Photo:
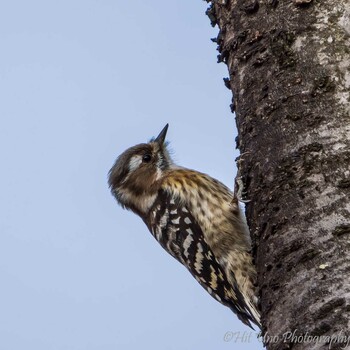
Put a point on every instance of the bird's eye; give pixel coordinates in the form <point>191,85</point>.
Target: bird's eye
<point>146,158</point>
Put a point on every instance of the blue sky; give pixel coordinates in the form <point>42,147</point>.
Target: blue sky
<point>80,81</point>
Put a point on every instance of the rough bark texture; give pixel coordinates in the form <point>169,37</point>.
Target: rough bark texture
<point>289,68</point>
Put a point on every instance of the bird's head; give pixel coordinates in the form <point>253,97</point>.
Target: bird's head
<point>137,170</point>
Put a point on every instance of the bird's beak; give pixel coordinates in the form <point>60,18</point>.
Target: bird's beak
<point>161,137</point>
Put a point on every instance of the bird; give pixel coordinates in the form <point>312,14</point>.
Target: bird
<point>195,218</point>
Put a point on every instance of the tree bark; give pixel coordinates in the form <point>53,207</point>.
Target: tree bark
<point>289,71</point>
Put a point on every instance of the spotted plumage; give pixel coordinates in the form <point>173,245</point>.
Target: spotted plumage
<point>195,218</point>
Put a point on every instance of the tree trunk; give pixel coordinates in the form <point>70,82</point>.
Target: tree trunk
<point>289,67</point>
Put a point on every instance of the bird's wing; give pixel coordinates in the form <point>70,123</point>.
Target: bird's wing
<point>176,230</point>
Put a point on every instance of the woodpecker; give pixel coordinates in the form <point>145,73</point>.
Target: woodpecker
<point>195,218</point>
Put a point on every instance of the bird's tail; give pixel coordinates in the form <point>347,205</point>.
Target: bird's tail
<point>252,302</point>
<point>246,310</point>
<point>243,284</point>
